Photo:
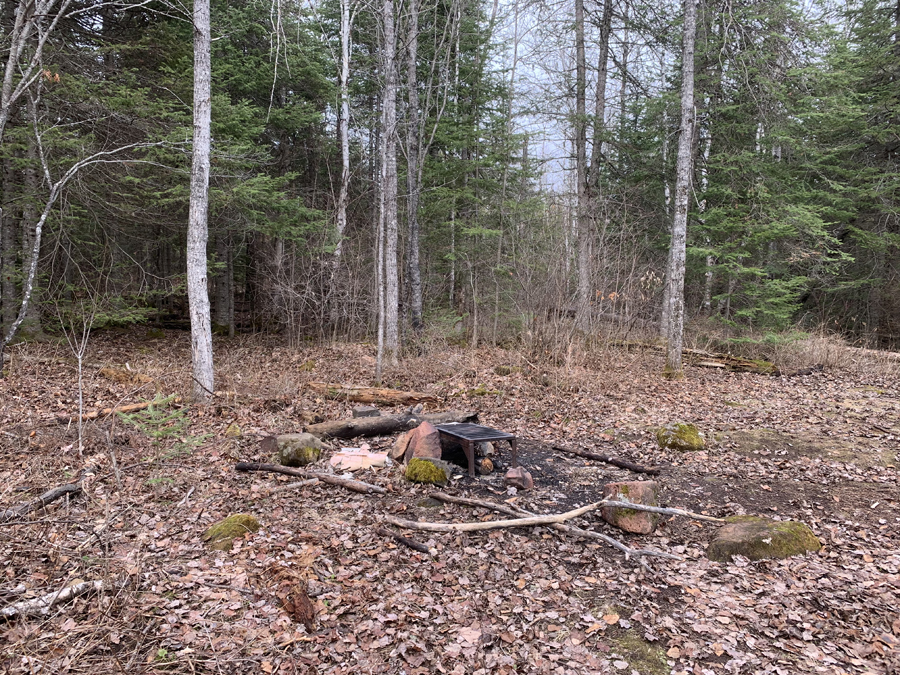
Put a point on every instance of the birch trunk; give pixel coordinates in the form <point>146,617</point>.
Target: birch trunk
<point>413,143</point>
<point>344,132</point>
<point>389,186</point>
<point>198,233</point>
<point>678,248</point>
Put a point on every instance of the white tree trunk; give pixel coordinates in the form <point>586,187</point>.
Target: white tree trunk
<point>389,186</point>
<point>344,132</point>
<point>198,233</point>
<point>413,174</point>
<point>683,168</point>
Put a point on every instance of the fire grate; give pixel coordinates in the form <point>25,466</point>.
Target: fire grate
<point>470,434</point>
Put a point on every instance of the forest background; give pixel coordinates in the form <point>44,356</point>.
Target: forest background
<point>457,169</point>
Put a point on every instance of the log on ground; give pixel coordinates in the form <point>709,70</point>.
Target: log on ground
<point>370,394</point>
<point>385,425</point>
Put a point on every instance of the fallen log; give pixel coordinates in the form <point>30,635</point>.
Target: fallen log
<point>621,463</point>
<point>406,541</point>
<point>348,483</point>
<point>370,394</point>
<point>704,359</point>
<point>385,425</point>
<point>43,604</point>
<point>134,407</point>
<point>560,527</point>
<point>40,502</point>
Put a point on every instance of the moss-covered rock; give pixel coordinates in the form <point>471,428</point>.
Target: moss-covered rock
<point>298,449</point>
<point>680,436</point>
<point>759,538</point>
<point>220,536</point>
<point>427,470</point>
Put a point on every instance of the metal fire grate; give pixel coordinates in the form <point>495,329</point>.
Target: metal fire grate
<point>474,432</point>
<point>470,434</point>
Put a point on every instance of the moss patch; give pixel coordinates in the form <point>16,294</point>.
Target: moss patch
<point>422,470</point>
<point>760,538</point>
<point>681,436</point>
<point>221,535</point>
<point>503,371</point>
<point>298,449</point>
<point>642,656</point>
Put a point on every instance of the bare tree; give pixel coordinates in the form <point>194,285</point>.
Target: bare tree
<point>413,141</point>
<point>581,216</point>
<point>674,299</point>
<point>343,132</point>
<point>198,231</point>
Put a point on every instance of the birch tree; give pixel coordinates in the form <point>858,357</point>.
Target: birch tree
<point>388,332</point>
<point>198,232</point>
<point>674,299</point>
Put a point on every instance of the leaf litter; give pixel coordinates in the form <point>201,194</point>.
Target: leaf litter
<point>316,590</point>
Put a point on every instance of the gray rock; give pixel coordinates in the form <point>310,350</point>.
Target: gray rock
<point>366,411</point>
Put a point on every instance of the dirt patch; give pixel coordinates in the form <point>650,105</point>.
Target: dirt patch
<point>864,452</point>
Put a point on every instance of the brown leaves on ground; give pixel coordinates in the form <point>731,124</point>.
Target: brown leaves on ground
<point>316,590</point>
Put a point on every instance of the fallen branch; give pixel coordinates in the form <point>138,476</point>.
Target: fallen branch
<point>370,394</point>
<point>621,463</point>
<point>705,359</point>
<point>40,502</point>
<point>409,543</point>
<point>494,524</point>
<point>549,519</point>
<point>348,483</point>
<point>560,527</point>
<point>43,604</point>
<point>134,407</point>
<point>385,425</point>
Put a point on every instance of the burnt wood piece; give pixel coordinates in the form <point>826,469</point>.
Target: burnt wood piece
<point>621,463</point>
<point>470,434</point>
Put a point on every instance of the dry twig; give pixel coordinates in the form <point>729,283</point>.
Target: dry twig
<point>349,483</point>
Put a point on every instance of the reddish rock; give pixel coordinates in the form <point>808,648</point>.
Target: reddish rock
<point>424,441</point>
<point>519,478</point>
<point>399,450</point>
<point>637,492</point>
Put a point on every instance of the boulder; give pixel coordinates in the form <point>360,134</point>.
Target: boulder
<point>760,538</point>
<point>424,441</point>
<point>298,449</point>
<point>680,436</point>
<point>428,470</point>
<point>518,478</point>
<point>221,535</point>
<point>638,492</point>
<point>398,452</point>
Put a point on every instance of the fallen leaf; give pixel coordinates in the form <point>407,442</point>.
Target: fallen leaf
<point>673,653</point>
<point>611,619</point>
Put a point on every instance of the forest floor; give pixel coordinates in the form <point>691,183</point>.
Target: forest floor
<point>821,448</point>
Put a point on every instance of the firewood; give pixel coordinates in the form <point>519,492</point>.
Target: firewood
<point>386,424</point>
<point>43,604</point>
<point>370,394</point>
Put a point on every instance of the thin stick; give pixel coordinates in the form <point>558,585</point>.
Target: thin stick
<point>410,543</point>
<point>621,463</point>
<point>355,485</point>
<point>298,484</point>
